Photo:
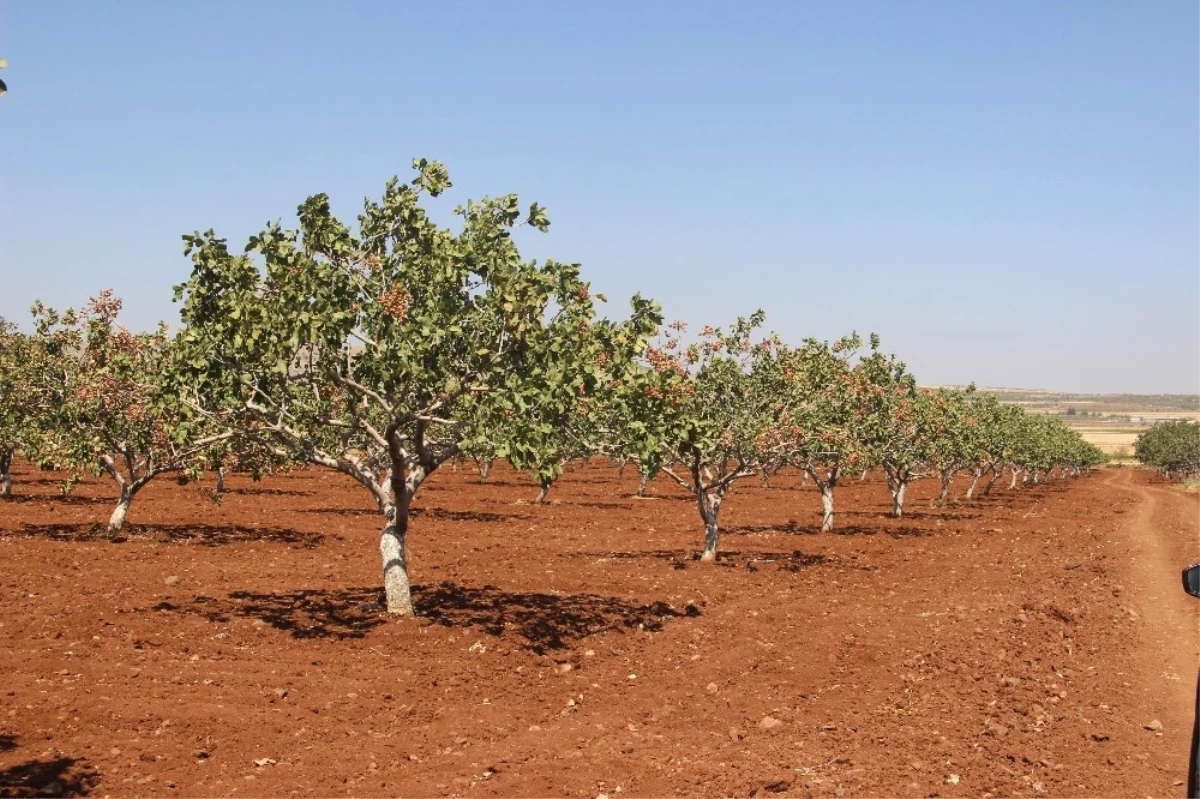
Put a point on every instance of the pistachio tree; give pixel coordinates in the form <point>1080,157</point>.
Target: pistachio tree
<point>17,417</point>
<point>891,423</point>
<point>950,432</point>
<point>386,350</point>
<point>107,402</point>
<point>703,414</point>
<point>823,416</point>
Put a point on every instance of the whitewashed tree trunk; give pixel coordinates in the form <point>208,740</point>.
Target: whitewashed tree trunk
<point>543,491</point>
<point>710,507</point>
<point>991,482</point>
<point>117,520</point>
<point>826,508</point>
<point>897,483</point>
<point>898,497</point>
<point>220,479</point>
<point>976,474</point>
<point>1012,484</point>
<point>6,474</point>
<point>947,477</point>
<point>405,479</point>
<point>392,548</point>
<point>641,492</point>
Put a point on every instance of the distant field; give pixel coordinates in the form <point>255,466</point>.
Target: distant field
<point>1110,421</point>
<point>1110,441</point>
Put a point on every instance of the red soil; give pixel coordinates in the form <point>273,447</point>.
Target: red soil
<point>1017,645</point>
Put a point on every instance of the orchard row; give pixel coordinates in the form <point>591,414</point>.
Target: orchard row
<point>385,350</point>
<point>1171,447</point>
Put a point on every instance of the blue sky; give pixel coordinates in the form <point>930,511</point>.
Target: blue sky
<point>1007,192</point>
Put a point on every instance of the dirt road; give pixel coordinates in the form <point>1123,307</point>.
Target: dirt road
<point>1159,537</point>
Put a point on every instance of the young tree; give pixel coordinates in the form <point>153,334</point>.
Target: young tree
<point>108,403</point>
<point>386,351</point>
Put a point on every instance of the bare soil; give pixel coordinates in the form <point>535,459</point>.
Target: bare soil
<point>1031,643</point>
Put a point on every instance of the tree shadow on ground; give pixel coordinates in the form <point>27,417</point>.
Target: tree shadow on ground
<point>8,742</point>
<point>61,776</point>
<point>63,499</point>
<point>625,505</point>
<point>907,531</point>
<point>730,558</point>
<point>340,614</point>
<point>791,527</point>
<point>195,534</point>
<point>356,512</point>
<point>269,492</point>
<point>539,621</point>
<point>442,514</point>
<point>499,482</point>
<point>543,622</point>
<point>659,554</point>
<point>948,513</point>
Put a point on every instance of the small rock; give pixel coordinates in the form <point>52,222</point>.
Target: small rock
<point>200,754</point>
<point>563,668</point>
<point>711,687</point>
<point>769,723</point>
<point>1154,726</point>
<point>53,789</point>
<point>1099,737</point>
<point>735,734</point>
<point>115,752</point>
<point>264,761</point>
<point>1011,682</point>
<point>172,580</point>
<point>281,693</point>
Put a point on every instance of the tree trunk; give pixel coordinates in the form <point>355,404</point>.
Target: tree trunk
<point>117,520</point>
<point>995,476</point>
<point>976,474</point>
<point>6,474</point>
<point>947,477</point>
<point>827,507</point>
<point>897,483</point>
<point>220,479</point>
<point>392,547</point>
<point>641,492</point>
<point>898,496</point>
<point>709,508</point>
<point>394,539</point>
<point>545,489</point>
<point>1013,482</point>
